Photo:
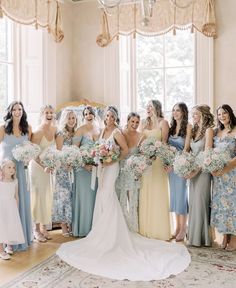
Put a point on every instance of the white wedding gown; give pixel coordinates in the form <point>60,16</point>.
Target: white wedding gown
<point>112,251</point>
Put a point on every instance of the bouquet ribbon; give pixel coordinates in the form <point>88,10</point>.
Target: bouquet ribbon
<point>93,177</point>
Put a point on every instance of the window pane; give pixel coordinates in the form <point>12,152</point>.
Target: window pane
<point>179,49</point>
<point>149,52</point>
<point>5,39</point>
<point>150,86</point>
<point>179,87</point>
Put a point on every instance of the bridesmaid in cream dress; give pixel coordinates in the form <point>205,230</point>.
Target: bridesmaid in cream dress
<point>154,216</point>
<point>41,192</point>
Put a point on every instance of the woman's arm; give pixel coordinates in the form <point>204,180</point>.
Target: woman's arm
<point>2,133</point>
<point>29,133</point>
<point>36,137</point>
<point>230,166</point>
<point>164,131</point>
<point>120,139</point>
<point>209,138</point>
<point>188,138</point>
<point>59,141</point>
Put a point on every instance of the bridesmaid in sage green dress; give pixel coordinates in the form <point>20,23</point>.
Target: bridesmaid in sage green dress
<point>127,187</point>
<point>199,232</point>
<point>83,194</point>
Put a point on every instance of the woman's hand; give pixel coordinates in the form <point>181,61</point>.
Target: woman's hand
<point>168,169</point>
<point>48,170</point>
<point>192,174</point>
<point>105,164</point>
<point>218,173</point>
<point>88,168</point>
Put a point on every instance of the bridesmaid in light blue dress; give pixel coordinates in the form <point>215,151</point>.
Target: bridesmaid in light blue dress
<point>127,188</point>
<point>62,195</point>
<point>83,193</point>
<point>179,137</point>
<point>14,132</point>
<point>199,232</point>
<point>223,213</point>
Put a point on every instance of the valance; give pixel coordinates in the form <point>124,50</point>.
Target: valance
<point>164,15</point>
<point>41,13</point>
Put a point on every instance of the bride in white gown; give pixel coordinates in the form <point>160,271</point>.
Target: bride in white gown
<point>110,249</point>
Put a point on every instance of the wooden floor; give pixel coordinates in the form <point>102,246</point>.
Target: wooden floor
<point>22,261</point>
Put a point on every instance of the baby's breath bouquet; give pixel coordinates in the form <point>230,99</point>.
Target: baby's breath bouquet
<point>136,165</point>
<point>213,159</point>
<point>71,157</point>
<point>51,158</point>
<point>165,152</point>
<point>25,152</point>
<point>148,148</point>
<point>185,163</point>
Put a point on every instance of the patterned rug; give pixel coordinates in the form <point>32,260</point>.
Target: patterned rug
<point>209,268</point>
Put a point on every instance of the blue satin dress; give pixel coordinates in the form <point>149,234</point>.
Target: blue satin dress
<point>83,196</point>
<point>178,187</point>
<point>6,146</point>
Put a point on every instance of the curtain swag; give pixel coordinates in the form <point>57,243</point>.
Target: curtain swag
<point>40,13</point>
<point>162,17</point>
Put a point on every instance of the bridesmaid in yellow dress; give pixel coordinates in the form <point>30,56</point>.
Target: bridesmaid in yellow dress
<point>154,216</point>
<point>41,192</point>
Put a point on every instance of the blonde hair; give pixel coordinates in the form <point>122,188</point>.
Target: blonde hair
<point>42,109</point>
<point>207,120</point>
<point>4,163</point>
<point>64,118</point>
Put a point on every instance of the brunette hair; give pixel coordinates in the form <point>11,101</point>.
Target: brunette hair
<point>232,118</point>
<point>184,122</point>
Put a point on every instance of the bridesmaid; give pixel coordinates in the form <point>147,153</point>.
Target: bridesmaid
<point>41,190</point>
<point>15,131</point>
<point>223,213</point>
<point>154,216</point>
<point>179,137</point>
<point>200,183</point>
<point>62,196</point>
<point>84,196</point>
<point>128,188</point>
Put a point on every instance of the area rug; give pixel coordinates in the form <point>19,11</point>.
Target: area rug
<point>209,268</point>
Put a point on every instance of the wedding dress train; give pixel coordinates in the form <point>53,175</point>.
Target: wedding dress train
<point>112,251</point>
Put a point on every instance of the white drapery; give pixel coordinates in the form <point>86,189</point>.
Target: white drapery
<point>126,19</point>
<point>41,13</point>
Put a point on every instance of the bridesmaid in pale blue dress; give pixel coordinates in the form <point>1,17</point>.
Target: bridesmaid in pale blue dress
<point>127,188</point>
<point>62,195</point>
<point>15,131</point>
<point>199,232</point>
<point>84,193</point>
<point>223,213</point>
<point>179,137</point>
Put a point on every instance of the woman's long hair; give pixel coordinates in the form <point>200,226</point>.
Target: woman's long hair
<point>63,122</point>
<point>232,118</point>
<point>8,118</point>
<point>207,121</point>
<point>158,108</point>
<point>115,113</point>
<point>184,122</point>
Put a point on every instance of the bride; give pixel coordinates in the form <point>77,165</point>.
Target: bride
<point>110,249</point>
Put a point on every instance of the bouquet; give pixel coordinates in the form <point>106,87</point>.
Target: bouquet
<point>136,165</point>
<point>106,151</point>
<point>166,153</point>
<point>26,151</point>
<point>148,148</point>
<point>51,158</point>
<point>88,153</point>
<point>71,157</point>
<point>184,164</point>
<point>213,159</point>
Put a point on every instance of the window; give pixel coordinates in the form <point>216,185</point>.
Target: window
<point>6,64</point>
<point>170,68</point>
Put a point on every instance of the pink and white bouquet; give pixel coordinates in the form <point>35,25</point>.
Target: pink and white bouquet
<point>165,152</point>
<point>136,165</point>
<point>184,164</point>
<point>51,158</point>
<point>148,148</point>
<point>106,151</point>
<point>213,159</point>
<point>71,157</point>
<point>88,153</point>
<point>25,152</point>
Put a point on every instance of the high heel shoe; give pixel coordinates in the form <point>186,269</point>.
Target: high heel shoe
<point>181,236</point>
<point>46,235</point>
<point>230,249</point>
<point>226,240</point>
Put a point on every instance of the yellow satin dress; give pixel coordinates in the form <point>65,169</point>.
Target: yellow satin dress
<point>41,190</point>
<point>154,215</point>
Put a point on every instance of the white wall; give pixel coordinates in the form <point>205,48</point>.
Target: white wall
<point>225,49</point>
